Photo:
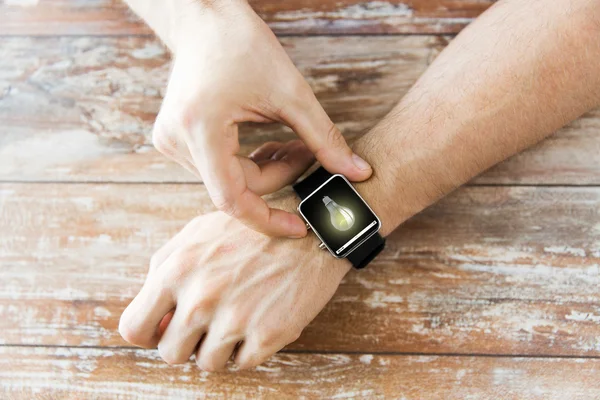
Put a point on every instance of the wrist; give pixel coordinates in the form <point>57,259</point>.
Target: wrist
<point>200,20</point>
<point>406,178</point>
<point>393,204</point>
<point>288,201</point>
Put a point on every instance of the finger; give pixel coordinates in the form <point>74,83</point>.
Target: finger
<point>312,124</point>
<point>184,236</point>
<point>250,353</point>
<point>265,151</point>
<point>140,320</point>
<point>225,181</point>
<point>182,335</point>
<point>216,350</point>
<point>164,323</point>
<point>293,147</point>
<point>255,213</point>
<point>285,166</point>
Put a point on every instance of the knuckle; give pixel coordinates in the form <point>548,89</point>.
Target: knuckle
<point>170,356</point>
<point>232,321</point>
<point>184,255</point>
<point>275,338</point>
<point>334,137</point>
<point>180,263</point>
<point>164,288</point>
<point>161,138</point>
<point>125,330</point>
<point>155,261</point>
<point>267,338</point>
<point>169,279</point>
<point>162,145</point>
<point>207,363</point>
<point>251,357</point>
<point>188,117</point>
<point>199,313</point>
<point>171,128</point>
<point>183,119</point>
<point>130,332</point>
<point>227,205</point>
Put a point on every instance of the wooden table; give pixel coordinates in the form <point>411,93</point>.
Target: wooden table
<point>490,294</point>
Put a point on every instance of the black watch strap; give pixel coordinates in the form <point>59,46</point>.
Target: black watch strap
<point>363,254</point>
<point>311,183</point>
<point>366,252</point>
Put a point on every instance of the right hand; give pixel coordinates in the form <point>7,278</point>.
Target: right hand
<point>230,68</point>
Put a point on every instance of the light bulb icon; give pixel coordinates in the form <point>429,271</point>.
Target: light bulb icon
<point>342,218</point>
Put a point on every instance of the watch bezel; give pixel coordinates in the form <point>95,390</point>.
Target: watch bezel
<point>332,252</point>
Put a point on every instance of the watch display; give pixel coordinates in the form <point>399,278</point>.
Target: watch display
<point>339,216</point>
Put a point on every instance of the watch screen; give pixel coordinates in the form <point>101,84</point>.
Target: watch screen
<point>339,216</point>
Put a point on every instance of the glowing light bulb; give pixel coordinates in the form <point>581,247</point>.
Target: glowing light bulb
<point>341,217</point>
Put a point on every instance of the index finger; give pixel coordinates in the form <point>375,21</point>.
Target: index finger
<point>255,213</point>
<point>226,183</point>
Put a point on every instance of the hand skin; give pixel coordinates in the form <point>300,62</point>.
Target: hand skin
<point>511,78</point>
<point>230,286</point>
<point>229,68</point>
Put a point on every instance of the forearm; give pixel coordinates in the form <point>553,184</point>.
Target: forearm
<point>172,19</point>
<point>511,78</point>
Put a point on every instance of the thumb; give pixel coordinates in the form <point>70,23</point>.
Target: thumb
<point>312,124</point>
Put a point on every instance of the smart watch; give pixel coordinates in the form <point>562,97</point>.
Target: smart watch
<point>340,218</point>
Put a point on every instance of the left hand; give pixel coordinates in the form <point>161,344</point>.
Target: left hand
<point>232,290</point>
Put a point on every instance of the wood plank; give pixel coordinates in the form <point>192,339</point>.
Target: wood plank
<point>491,270</point>
<point>81,109</point>
<point>122,373</point>
<point>111,17</point>
<point>92,102</point>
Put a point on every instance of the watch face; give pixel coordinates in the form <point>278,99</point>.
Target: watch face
<point>339,216</point>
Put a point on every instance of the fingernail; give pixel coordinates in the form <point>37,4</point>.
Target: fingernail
<point>299,235</point>
<point>360,163</point>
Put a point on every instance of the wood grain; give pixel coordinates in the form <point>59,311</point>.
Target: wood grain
<point>489,270</point>
<point>93,101</point>
<point>81,109</point>
<point>485,276</point>
<point>111,17</point>
<point>28,373</point>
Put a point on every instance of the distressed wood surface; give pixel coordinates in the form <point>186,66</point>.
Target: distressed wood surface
<point>26,373</point>
<point>462,290</point>
<point>81,109</point>
<point>111,17</point>
<point>93,101</point>
<point>489,270</point>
